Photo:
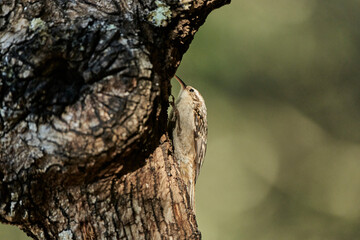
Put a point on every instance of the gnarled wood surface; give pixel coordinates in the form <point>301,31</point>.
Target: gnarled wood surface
<point>84,89</point>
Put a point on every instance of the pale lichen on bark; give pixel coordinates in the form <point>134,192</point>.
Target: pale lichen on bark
<point>84,89</point>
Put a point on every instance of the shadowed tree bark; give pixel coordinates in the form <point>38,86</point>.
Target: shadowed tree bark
<point>84,90</point>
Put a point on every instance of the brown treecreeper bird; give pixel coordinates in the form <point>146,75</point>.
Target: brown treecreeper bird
<point>189,132</point>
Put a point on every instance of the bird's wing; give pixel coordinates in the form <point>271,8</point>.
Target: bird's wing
<point>200,137</point>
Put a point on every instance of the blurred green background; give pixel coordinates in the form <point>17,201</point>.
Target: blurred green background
<point>281,82</point>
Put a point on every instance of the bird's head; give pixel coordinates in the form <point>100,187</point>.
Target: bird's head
<point>188,92</point>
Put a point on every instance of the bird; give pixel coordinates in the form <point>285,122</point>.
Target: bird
<point>189,128</point>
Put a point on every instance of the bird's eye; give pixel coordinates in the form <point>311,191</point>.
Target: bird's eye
<point>191,90</point>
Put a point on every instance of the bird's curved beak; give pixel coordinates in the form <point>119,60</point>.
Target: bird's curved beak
<point>182,84</point>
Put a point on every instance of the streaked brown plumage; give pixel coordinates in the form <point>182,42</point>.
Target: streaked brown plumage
<point>189,117</point>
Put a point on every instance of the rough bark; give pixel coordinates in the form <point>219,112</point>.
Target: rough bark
<point>84,89</point>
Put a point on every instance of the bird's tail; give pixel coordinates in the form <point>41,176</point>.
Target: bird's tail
<point>191,191</point>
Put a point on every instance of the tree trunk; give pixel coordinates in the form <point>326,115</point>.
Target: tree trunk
<point>84,90</point>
